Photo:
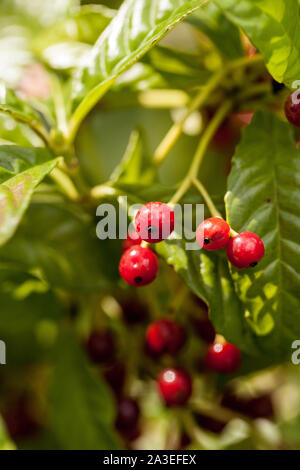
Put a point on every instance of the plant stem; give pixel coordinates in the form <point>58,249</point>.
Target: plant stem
<point>207,136</point>
<point>256,89</point>
<point>59,105</point>
<point>201,149</point>
<point>85,106</point>
<point>65,183</point>
<point>245,61</point>
<point>174,133</point>
<point>208,201</point>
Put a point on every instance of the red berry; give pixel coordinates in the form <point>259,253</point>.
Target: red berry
<point>101,347</point>
<point>134,311</point>
<point>165,336</point>
<point>204,328</point>
<point>20,419</point>
<point>115,376</point>
<point>175,386</point>
<point>138,266</point>
<point>131,240</point>
<point>223,358</point>
<point>213,233</point>
<point>128,414</point>
<point>292,108</point>
<point>258,407</point>
<point>209,423</point>
<point>154,222</point>
<point>245,250</point>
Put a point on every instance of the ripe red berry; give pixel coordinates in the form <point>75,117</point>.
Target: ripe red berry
<point>101,347</point>
<point>213,233</point>
<point>128,414</point>
<point>131,240</point>
<point>134,311</point>
<point>138,266</point>
<point>292,108</point>
<point>165,336</point>
<point>204,328</point>
<point>115,376</point>
<point>255,407</point>
<point>20,419</point>
<point>209,423</point>
<point>245,250</point>
<point>154,222</point>
<point>175,386</point>
<point>224,358</point>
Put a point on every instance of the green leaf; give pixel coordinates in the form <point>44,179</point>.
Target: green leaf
<point>21,170</point>
<point>19,110</point>
<point>180,69</point>
<point>274,29</point>
<point>63,247</point>
<point>16,133</point>
<point>83,25</point>
<point>225,35</point>
<point>119,47</point>
<point>136,164</point>
<point>91,20</point>
<point>14,159</point>
<point>82,409</point>
<point>263,197</point>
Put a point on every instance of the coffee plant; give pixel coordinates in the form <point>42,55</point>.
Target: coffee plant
<point>137,341</point>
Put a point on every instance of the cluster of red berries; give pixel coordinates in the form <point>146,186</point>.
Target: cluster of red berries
<point>163,336</point>
<point>139,266</point>
<point>155,221</point>
<point>244,250</point>
<point>166,336</point>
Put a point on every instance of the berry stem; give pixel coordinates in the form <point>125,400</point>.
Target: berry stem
<point>201,149</point>
<point>65,183</point>
<point>59,105</point>
<point>175,131</point>
<point>208,201</point>
<point>197,102</point>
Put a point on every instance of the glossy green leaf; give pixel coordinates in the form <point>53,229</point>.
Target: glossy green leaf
<point>82,409</point>
<point>21,170</point>
<point>263,197</point>
<point>64,248</point>
<point>226,36</point>
<point>119,47</point>
<point>274,29</point>
<point>14,160</point>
